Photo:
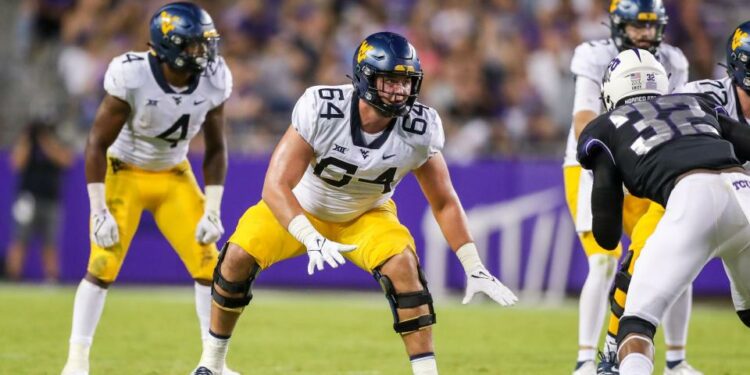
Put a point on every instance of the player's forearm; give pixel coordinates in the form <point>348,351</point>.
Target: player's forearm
<point>215,165</point>
<point>96,160</point>
<point>282,203</point>
<point>453,223</point>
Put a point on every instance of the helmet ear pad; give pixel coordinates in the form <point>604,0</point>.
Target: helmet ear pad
<point>633,74</point>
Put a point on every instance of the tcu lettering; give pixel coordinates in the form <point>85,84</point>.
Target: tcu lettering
<point>741,184</point>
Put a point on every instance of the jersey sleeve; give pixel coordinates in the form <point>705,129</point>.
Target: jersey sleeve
<point>114,80</point>
<point>437,139</point>
<point>305,116</point>
<point>592,142</point>
<point>587,69</point>
<point>124,73</point>
<point>587,96</point>
<point>680,68</point>
<point>688,88</point>
<point>584,63</point>
<point>221,79</point>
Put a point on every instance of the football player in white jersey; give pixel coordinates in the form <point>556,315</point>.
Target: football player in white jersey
<point>328,193</point>
<point>633,24</point>
<point>733,91</point>
<point>156,101</point>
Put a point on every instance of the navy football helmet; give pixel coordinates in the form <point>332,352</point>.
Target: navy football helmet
<point>183,35</point>
<point>639,13</point>
<point>738,56</point>
<point>386,54</point>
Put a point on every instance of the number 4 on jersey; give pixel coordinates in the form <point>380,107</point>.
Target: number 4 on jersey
<point>182,125</point>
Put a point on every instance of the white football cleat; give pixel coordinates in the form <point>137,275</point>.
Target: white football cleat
<point>75,369</point>
<point>683,368</point>
<point>78,360</point>
<point>228,371</point>
<point>587,368</point>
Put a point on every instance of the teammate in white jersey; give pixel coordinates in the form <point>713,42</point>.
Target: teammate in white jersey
<point>156,101</point>
<point>733,91</point>
<point>633,24</point>
<point>327,193</point>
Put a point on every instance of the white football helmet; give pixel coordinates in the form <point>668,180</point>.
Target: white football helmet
<point>636,74</point>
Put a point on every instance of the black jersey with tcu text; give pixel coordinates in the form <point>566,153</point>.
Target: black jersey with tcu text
<point>653,142</point>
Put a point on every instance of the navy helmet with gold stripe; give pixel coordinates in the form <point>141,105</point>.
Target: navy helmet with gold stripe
<point>738,56</point>
<point>638,13</point>
<point>183,35</point>
<point>386,54</point>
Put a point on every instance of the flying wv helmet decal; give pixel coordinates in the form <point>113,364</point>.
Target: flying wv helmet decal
<point>364,48</point>
<point>167,22</point>
<point>738,38</point>
<point>738,56</point>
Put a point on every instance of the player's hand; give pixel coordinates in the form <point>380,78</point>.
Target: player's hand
<point>481,280</point>
<point>209,228</point>
<point>321,249</point>
<point>104,232</point>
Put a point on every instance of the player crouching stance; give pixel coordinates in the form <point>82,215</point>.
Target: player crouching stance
<point>669,149</point>
<point>328,193</point>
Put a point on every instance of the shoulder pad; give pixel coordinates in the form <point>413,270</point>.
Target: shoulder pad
<point>218,74</point>
<point>131,68</point>
<point>674,56</point>
<point>590,59</point>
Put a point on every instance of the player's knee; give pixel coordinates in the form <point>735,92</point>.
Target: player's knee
<point>601,266</point>
<point>233,279</point>
<point>744,316</point>
<point>97,281</point>
<point>407,298</point>
<point>635,325</point>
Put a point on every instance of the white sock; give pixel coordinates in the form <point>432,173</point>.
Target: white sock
<point>594,299</point>
<point>677,318</point>
<point>424,365</point>
<point>675,355</point>
<point>87,309</point>
<point>636,364</point>
<point>214,353</point>
<point>586,355</point>
<point>203,308</point>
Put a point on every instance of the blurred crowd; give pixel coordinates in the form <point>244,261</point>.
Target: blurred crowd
<point>496,70</point>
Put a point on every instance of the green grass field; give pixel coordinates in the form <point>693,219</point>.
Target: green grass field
<point>154,331</point>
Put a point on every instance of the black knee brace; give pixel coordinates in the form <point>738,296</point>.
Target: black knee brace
<point>244,287</point>
<point>622,282</point>
<point>407,300</point>
<point>634,324</point>
<point>744,316</point>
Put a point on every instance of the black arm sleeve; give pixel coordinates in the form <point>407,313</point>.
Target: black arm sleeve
<point>606,202</point>
<point>737,133</point>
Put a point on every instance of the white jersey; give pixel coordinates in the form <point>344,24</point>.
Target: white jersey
<point>590,61</point>
<point>349,176</point>
<point>723,91</point>
<point>162,121</point>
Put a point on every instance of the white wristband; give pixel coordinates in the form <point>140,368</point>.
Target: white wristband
<point>96,197</point>
<point>302,229</point>
<point>469,257</point>
<point>213,198</point>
